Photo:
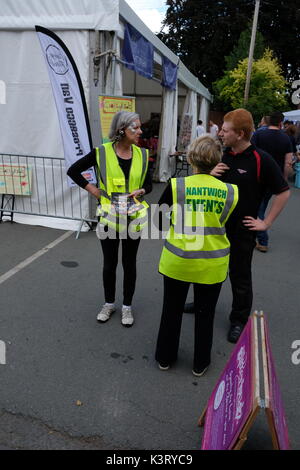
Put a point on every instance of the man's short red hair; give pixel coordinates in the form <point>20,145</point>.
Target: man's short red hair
<point>241,120</point>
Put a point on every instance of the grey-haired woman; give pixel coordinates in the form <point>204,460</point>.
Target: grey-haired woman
<point>122,169</point>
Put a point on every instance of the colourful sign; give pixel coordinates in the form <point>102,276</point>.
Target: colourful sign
<point>231,402</point>
<point>15,179</point>
<point>109,106</point>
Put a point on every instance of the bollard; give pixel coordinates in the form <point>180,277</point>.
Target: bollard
<point>297,179</point>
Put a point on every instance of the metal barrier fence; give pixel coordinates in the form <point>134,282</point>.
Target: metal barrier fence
<point>35,185</point>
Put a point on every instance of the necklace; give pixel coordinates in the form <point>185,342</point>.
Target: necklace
<point>125,157</point>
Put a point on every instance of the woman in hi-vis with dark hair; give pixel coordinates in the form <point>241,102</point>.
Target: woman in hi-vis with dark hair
<point>123,179</point>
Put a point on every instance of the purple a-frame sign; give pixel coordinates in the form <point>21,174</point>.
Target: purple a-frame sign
<point>232,401</point>
<point>236,399</point>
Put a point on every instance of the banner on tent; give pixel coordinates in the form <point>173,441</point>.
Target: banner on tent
<point>108,107</point>
<point>237,396</point>
<point>69,98</point>
<point>185,133</point>
<point>170,71</point>
<point>138,53</point>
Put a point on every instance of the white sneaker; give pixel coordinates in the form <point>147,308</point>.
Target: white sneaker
<point>127,318</point>
<point>105,313</point>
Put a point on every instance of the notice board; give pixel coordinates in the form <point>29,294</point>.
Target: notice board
<point>15,179</point>
<point>108,107</point>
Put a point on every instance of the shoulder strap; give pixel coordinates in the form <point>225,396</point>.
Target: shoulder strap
<point>258,163</point>
<point>101,161</point>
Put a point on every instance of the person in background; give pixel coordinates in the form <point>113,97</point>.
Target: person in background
<point>122,168</point>
<point>196,251</point>
<point>264,123</point>
<point>290,131</point>
<point>254,172</point>
<point>213,129</point>
<point>273,141</point>
<point>199,129</point>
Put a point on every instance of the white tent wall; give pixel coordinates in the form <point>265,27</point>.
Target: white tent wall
<point>29,125</point>
<point>167,135</point>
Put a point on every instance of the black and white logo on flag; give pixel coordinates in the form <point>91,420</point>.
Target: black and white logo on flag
<point>69,98</point>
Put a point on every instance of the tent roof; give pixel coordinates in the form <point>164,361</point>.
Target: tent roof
<point>93,15</point>
<point>58,14</point>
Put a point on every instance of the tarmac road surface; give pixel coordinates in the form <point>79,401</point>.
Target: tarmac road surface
<point>72,383</point>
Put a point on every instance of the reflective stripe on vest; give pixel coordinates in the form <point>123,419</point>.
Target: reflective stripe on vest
<point>203,257</point>
<point>107,214</point>
<point>102,160</point>
<point>228,203</point>
<point>180,226</point>
<point>102,169</point>
<point>196,254</point>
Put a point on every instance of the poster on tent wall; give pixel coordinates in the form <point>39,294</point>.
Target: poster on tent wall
<point>108,107</point>
<point>185,133</point>
<point>69,98</point>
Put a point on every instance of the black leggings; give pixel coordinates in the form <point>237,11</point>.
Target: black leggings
<point>205,298</point>
<point>110,248</point>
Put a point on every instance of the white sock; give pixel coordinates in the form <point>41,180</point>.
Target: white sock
<point>126,306</point>
<point>109,305</point>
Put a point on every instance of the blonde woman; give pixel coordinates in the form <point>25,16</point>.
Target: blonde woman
<point>196,251</point>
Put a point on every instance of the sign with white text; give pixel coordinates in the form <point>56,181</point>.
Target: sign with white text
<point>69,98</point>
<point>237,397</point>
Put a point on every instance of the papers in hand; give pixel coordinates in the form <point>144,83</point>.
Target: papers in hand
<point>125,204</point>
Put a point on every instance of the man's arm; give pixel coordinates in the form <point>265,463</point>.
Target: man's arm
<point>278,204</point>
<point>288,162</point>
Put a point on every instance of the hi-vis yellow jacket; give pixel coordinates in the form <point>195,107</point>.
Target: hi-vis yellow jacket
<point>112,179</point>
<point>196,248</point>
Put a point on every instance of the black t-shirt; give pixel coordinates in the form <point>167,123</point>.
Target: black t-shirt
<point>275,142</point>
<point>89,160</point>
<point>243,172</point>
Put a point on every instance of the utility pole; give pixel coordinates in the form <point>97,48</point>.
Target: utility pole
<point>251,50</point>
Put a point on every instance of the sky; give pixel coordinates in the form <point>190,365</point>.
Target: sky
<point>151,12</point>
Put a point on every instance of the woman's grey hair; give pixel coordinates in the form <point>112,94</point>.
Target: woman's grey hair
<point>120,122</point>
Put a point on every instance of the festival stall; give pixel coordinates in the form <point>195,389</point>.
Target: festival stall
<point>102,36</point>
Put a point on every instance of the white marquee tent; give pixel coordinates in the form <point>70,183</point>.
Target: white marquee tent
<point>91,29</point>
<point>292,115</point>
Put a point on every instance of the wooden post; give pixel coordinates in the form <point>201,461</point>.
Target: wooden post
<point>251,51</point>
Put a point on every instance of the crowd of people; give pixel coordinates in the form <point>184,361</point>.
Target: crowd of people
<point>217,216</point>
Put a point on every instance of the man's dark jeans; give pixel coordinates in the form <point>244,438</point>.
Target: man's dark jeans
<point>242,245</point>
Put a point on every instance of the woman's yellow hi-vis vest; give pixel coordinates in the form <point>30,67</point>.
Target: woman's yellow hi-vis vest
<point>111,179</point>
<point>196,248</point>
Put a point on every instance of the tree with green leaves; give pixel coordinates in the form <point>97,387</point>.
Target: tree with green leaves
<point>241,50</point>
<point>267,88</point>
<point>204,32</point>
